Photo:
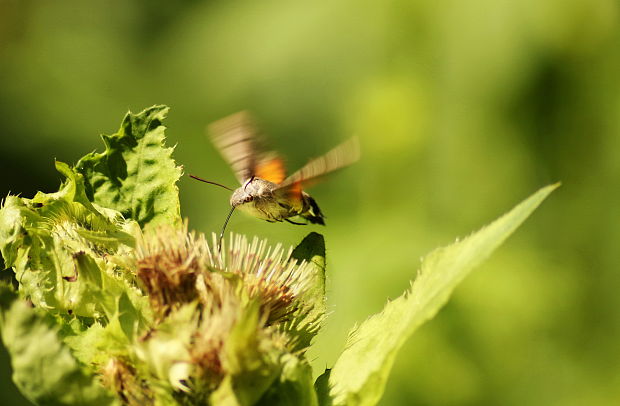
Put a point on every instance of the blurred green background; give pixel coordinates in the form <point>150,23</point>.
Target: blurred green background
<point>463,108</point>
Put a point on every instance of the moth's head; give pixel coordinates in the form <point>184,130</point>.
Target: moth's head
<point>241,196</point>
<point>254,188</point>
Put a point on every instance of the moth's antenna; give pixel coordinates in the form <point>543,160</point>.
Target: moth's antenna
<point>219,241</point>
<point>209,182</point>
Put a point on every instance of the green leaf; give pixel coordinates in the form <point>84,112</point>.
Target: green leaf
<point>312,250</point>
<point>73,189</point>
<point>136,174</point>
<point>361,371</point>
<point>66,252</point>
<point>43,368</point>
<point>11,233</point>
<point>72,252</point>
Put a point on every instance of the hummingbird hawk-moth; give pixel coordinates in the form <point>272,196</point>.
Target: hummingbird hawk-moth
<point>266,192</point>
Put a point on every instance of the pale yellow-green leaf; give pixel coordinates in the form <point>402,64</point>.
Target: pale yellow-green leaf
<point>360,373</point>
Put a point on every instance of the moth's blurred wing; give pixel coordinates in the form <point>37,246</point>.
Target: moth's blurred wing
<point>270,167</point>
<point>342,155</point>
<point>235,137</point>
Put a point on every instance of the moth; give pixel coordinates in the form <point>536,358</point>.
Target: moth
<point>265,191</point>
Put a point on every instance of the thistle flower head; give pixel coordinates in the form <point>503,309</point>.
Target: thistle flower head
<point>246,301</point>
<point>177,267</point>
<point>269,274</point>
<point>168,262</point>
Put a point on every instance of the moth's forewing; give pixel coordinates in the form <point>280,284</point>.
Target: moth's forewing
<point>235,138</point>
<point>242,147</point>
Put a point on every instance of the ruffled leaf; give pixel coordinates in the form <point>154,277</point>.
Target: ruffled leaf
<point>136,174</point>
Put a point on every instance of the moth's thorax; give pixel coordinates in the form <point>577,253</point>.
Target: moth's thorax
<point>255,189</point>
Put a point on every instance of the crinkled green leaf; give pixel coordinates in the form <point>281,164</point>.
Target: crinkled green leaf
<point>361,371</point>
<point>73,189</point>
<point>72,258</point>
<point>44,369</point>
<point>66,251</point>
<point>11,231</point>
<point>136,174</point>
<point>72,252</point>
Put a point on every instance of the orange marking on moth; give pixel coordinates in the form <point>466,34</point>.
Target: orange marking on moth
<point>271,170</point>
